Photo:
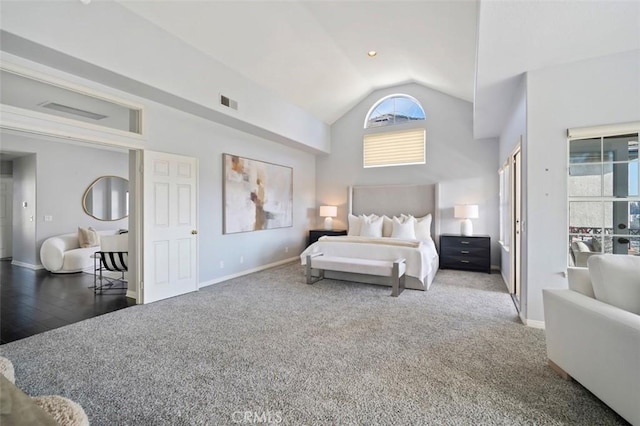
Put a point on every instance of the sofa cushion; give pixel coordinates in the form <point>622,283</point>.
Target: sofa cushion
<point>580,281</point>
<point>88,237</point>
<point>616,280</point>
<point>580,246</point>
<point>79,259</point>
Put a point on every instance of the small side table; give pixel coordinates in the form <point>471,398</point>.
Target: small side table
<point>315,234</point>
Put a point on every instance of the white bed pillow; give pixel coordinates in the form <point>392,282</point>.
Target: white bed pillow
<point>354,225</point>
<point>404,230</point>
<point>371,226</point>
<point>387,226</point>
<point>616,280</point>
<point>423,227</point>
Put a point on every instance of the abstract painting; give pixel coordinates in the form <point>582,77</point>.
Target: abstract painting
<point>257,195</point>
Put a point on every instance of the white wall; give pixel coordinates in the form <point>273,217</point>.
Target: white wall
<point>109,38</point>
<point>24,211</point>
<point>466,168</point>
<point>603,90</point>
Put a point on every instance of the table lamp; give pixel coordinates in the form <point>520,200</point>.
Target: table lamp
<point>466,212</point>
<point>328,212</point>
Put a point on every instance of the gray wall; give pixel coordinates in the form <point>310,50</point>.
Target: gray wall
<point>64,171</point>
<point>598,91</point>
<point>176,132</point>
<point>466,168</point>
<point>24,217</point>
<point>6,167</point>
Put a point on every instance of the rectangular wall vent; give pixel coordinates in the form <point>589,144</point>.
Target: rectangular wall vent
<point>75,111</point>
<point>228,102</point>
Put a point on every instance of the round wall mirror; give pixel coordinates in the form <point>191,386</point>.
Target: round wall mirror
<point>107,198</point>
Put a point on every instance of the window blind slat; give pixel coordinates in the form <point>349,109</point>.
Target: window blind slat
<point>394,148</point>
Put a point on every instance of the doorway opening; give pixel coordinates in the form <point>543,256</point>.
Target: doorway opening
<point>42,184</point>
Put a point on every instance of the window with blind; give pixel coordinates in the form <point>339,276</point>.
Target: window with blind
<point>393,147</point>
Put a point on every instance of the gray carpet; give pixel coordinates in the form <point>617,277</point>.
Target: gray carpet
<point>271,346</point>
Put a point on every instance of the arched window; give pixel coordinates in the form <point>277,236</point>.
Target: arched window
<point>396,146</point>
<point>394,109</point>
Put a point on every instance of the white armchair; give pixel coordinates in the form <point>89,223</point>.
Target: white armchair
<point>594,341</point>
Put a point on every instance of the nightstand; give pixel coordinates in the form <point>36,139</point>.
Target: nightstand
<point>315,234</point>
<point>466,253</point>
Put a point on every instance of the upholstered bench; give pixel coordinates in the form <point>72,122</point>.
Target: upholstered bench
<point>395,269</point>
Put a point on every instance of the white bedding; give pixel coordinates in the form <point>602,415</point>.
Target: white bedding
<point>419,255</point>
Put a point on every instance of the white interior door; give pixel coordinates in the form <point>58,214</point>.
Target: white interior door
<point>6,217</point>
<point>170,265</point>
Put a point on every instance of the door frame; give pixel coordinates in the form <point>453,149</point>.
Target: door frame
<point>9,179</point>
<point>515,209</point>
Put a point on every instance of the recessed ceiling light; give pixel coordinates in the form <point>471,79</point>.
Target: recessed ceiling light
<point>372,53</point>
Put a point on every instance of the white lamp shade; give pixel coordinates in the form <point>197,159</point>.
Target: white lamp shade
<point>328,211</point>
<point>466,211</point>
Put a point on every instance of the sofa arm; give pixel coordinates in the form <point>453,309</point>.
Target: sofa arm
<point>52,254</point>
<point>598,345</point>
<point>580,281</point>
<point>581,257</point>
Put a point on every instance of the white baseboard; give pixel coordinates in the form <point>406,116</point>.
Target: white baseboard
<point>249,271</point>
<point>532,323</point>
<point>27,265</point>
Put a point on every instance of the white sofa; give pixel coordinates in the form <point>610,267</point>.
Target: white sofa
<point>62,254</point>
<point>593,331</point>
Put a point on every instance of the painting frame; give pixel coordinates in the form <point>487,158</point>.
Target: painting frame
<point>256,195</point>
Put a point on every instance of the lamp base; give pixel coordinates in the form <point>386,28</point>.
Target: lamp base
<point>466,228</point>
<point>328,223</point>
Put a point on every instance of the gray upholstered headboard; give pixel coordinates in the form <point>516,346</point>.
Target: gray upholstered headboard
<point>393,200</point>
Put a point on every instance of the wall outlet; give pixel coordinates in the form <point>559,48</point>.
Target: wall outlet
<point>241,259</point>
<point>221,264</point>
<point>48,218</point>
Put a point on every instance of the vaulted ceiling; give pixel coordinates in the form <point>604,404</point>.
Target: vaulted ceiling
<point>314,53</point>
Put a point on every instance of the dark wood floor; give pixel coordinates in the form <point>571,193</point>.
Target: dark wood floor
<point>33,302</point>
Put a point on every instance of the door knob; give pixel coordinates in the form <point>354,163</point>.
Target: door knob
<point>623,241</point>
<point>194,232</point>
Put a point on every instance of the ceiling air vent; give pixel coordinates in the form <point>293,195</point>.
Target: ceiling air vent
<point>71,110</point>
<point>228,102</point>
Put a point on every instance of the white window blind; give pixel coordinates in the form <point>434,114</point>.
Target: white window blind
<point>394,148</point>
<point>601,131</point>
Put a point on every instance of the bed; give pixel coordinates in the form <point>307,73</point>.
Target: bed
<point>389,200</point>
